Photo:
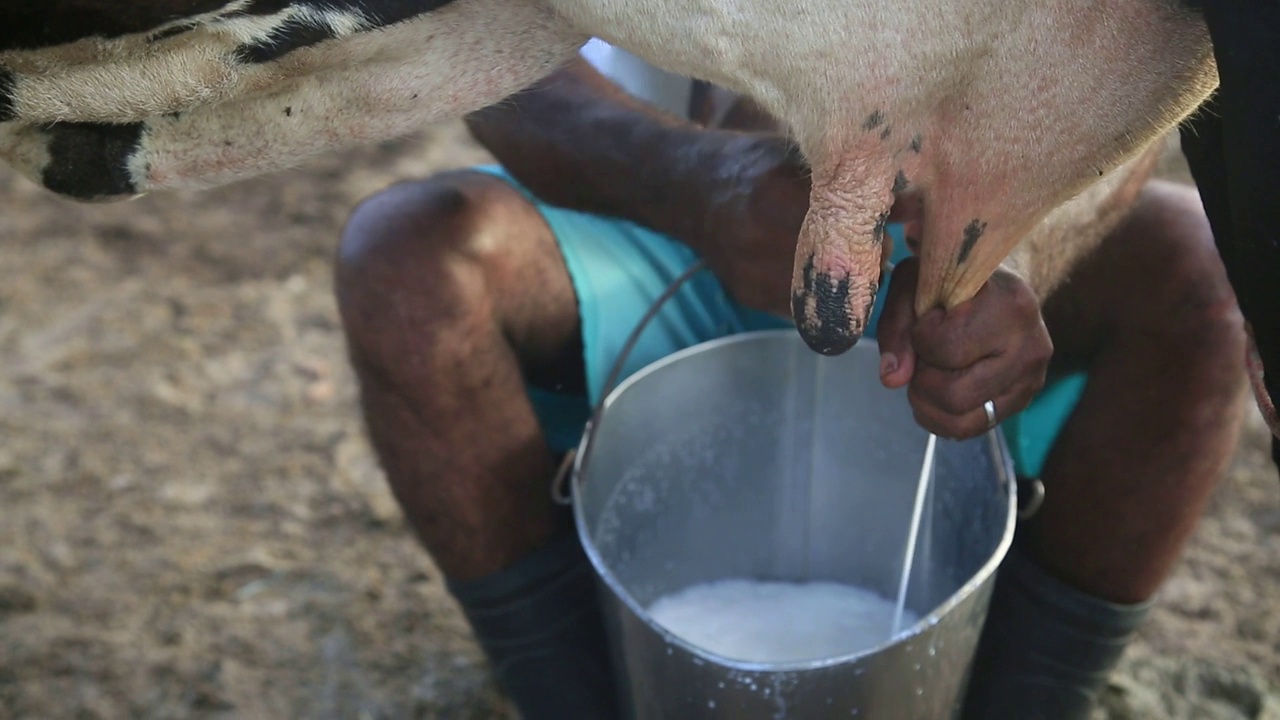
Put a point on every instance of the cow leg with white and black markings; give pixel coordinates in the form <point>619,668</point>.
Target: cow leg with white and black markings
<point>253,87</point>
<point>249,47</point>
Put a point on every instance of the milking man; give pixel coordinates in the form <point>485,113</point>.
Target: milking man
<point>483,308</point>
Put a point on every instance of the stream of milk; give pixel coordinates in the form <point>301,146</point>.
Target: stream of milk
<point>775,622</point>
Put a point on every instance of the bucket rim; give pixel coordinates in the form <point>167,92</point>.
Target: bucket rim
<point>1002,460</point>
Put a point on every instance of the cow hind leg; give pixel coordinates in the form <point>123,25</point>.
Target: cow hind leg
<point>216,57</point>
<point>462,71</point>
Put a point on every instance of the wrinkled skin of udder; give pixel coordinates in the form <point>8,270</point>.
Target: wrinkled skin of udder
<point>976,117</point>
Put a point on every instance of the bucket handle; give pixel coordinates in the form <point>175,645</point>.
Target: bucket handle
<point>560,491</point>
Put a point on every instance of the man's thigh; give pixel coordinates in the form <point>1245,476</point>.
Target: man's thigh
<point>1154,274</point>
<point>1150,286</point>
<point>1148,282</point>
<point>425,261</point>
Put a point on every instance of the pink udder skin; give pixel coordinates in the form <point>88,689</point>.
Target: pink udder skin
<point>1001,144</point>
<point>966,196</point>
<point>953,192</point>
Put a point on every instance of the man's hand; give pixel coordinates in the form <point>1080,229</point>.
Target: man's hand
<point>994,347</point>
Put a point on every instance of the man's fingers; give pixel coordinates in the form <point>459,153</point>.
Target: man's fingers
<point>958,338</point>
<point>959,392</point>
<point>893,333</point>
<point>949,402</point>
<point>993,348</point>
<point>971,423</point>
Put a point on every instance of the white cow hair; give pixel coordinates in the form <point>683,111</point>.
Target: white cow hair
<point>209,121</point>
<point>155,77</point>
<point>392,94</point>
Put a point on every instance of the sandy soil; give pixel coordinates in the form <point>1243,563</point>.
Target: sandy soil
<point>192,524</point>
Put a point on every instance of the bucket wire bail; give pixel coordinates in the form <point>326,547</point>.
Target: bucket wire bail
<point>560,490</point>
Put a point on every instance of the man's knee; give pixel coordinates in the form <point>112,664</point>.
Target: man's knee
<point>411,252</point>
<point>413,228</point>
<point>1180,292</point>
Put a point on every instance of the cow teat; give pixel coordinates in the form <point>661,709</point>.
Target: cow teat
<point>838,257</point>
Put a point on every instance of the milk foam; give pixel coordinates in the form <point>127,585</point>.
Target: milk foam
<point>773,622</point>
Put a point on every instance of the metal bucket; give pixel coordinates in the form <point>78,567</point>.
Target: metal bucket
<point>752,456</point>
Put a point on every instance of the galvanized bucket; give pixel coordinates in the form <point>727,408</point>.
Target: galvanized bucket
<point>752,456</point>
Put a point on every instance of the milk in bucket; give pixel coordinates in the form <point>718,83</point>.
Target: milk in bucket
<point>777,622</point>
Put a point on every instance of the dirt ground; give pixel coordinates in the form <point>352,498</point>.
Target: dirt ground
<point>192,524</point>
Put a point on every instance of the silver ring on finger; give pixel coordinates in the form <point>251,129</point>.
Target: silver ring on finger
<point>989,407</point>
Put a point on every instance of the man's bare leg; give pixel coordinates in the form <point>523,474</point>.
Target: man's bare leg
<point>453,294</point>
<point>449,289</point>
<point>1155,431</point>
<point>1152,317</point>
